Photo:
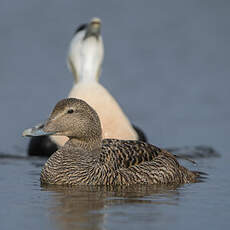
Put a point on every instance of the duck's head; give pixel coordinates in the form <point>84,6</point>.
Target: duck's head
<point>86,51</point>
<point>73,118</point>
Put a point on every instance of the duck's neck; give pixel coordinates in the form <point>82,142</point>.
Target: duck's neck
<point>87,72</point>
<point>88,145</point>
<point>85,63</point>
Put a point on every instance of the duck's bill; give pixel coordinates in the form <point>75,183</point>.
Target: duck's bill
<point>93,29</point>
<point>36,131</point>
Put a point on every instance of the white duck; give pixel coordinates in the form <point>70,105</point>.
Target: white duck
<point>85,57</point>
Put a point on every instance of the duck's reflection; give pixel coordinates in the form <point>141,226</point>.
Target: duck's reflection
<point>87,207</point>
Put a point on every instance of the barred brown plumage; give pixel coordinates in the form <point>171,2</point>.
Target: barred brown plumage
<point>86,159</point>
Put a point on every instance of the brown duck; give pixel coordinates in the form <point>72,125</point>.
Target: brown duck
<point>86,159</point>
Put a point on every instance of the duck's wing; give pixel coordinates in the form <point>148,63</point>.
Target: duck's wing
<point>140,133</point>
<point>124,154</point>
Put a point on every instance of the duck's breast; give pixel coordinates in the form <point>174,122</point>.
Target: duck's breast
<point>114,122</point>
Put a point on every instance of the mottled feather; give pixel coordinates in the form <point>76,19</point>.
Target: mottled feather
<point>86,159</point>
<point>118,162</point>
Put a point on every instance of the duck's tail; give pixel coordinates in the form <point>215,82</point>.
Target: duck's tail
<point>199,176</point>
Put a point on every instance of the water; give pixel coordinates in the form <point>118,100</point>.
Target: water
<point>166,62</point>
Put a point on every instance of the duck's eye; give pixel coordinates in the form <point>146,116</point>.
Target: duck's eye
<point>70,111</point>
